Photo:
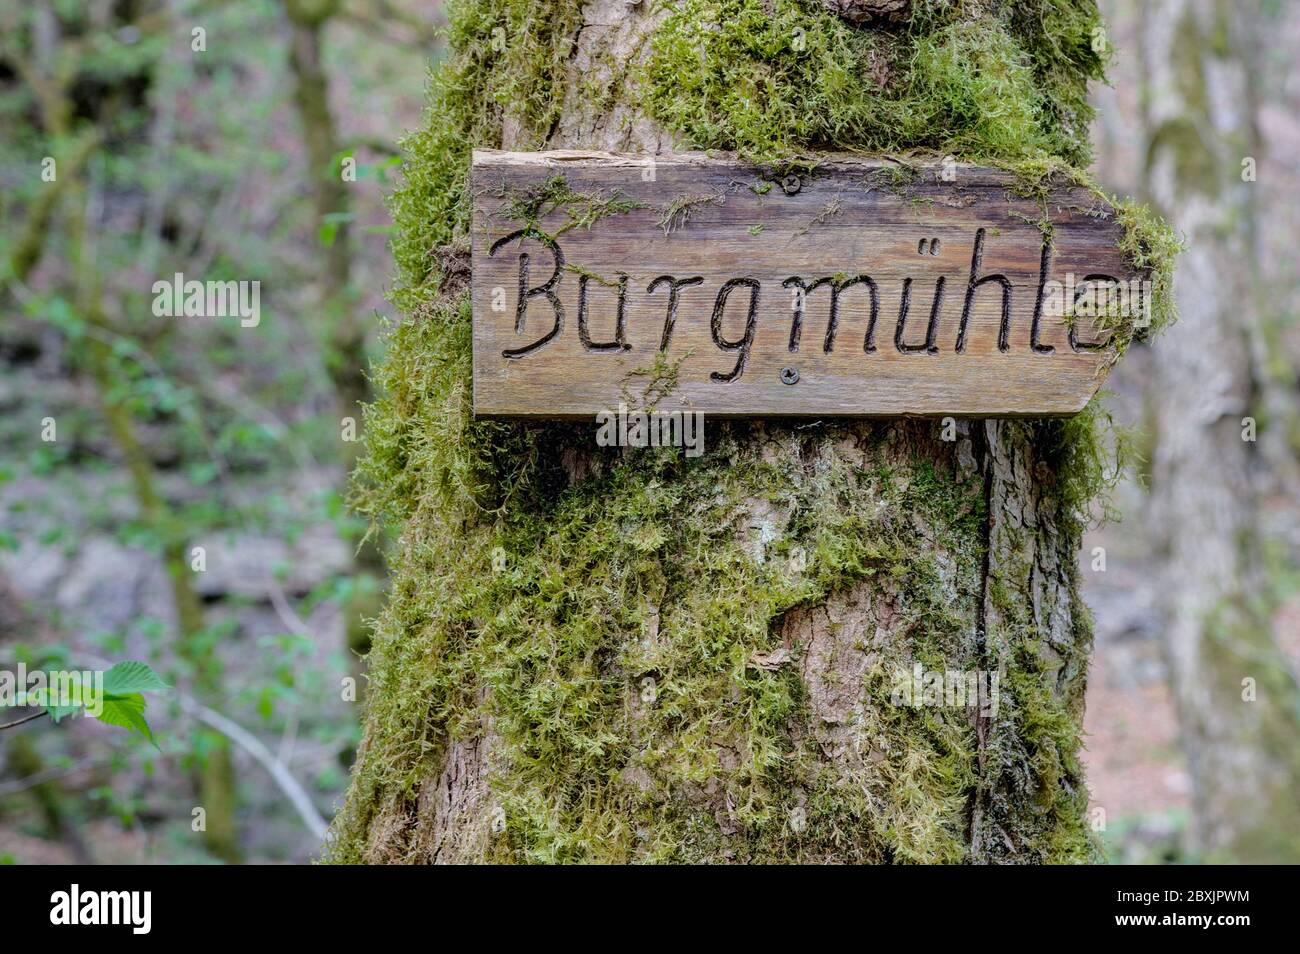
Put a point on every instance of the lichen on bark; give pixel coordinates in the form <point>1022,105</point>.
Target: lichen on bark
<point>591,655</point>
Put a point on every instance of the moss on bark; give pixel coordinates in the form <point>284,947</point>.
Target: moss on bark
<point>596,656</point>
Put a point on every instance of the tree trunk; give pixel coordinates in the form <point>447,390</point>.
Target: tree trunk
<point>591,655</point>
<point>1236,699</point>
<point>343,334</point>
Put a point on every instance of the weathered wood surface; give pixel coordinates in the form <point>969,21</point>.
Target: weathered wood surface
<point>734,278</point>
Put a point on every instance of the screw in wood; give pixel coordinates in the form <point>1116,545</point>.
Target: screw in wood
<point>791,184</point>
<point>789,376</point>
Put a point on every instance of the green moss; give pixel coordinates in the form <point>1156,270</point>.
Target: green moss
<point>675,215</point>
<point>771,78</point>
<point>559,638</point>
<point>614,646</point>
<point>1067,45</point>
<point>1087,455</point>
<point>508,60</point>
<point>582,209</point>
<point>656,382</point>
<point>589,274</point>
<point>1150,245</point>
<point>829,210</point>
<point>1032,778</point>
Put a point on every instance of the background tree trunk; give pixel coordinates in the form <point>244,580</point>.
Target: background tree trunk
<point>54,78</point>
<point>590,655</point>
<point>1240,744</point>
<point>343,333</point>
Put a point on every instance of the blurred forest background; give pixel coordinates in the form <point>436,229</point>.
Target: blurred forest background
<point>216,139</point>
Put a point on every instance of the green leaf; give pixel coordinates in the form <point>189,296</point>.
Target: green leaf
<point>130,677</point>
<point>122,705</point>
<point>58,712</point>
<point>41,697</point>
<point>127,712</point>
<point>330,224</point>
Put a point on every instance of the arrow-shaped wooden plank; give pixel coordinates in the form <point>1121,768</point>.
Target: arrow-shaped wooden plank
<point>856,288</point>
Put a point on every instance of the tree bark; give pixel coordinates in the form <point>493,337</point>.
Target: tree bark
<point>1235,696</point>
<point>731,699</point>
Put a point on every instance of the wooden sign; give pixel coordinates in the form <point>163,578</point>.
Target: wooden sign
<point>857,288</point>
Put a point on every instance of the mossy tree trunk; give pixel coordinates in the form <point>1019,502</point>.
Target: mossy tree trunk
<point>1234,692</point>
<point>594,655</point>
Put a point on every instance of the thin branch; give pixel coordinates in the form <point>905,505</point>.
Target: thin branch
<point>30,718</point>
<point>254,746</point>
<point>296,794</point>
<point>285,610</point>
<point>51,774</point>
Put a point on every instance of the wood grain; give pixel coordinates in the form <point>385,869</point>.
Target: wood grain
<point>732,248</point>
